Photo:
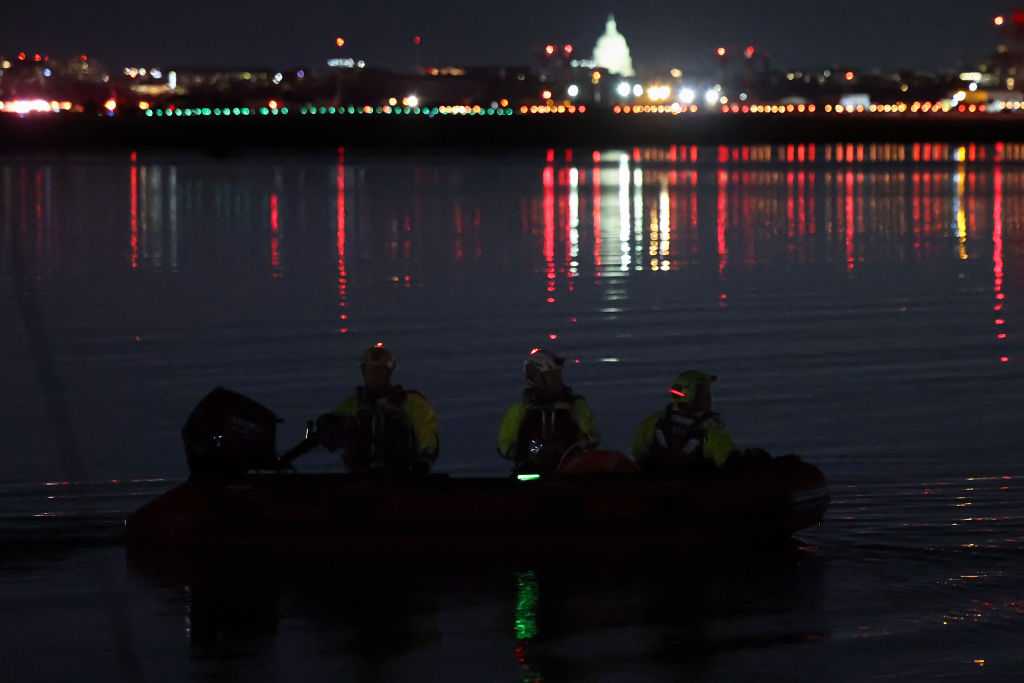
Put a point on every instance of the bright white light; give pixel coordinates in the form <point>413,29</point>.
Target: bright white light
<point>156,73</point>
<point>638,90</point>
<point>623,89</point>
<point>47,72</point>
<point>687,95</point>
<point>574,90</point>
<point>657,93</point>
<point>172,79</point>
<point>278,77</point>
<point>361,64</point>
<point>412,101</point>
<point>27,106</point>
<point>711,96</point>
<point>973,87</point>
<point>743,97</point>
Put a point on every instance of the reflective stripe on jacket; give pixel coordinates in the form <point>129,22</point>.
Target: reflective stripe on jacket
<point>670,438</point>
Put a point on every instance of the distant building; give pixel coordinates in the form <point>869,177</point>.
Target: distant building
<point>611,51</point>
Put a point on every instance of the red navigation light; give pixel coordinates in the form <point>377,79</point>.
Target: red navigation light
<point>379,345</point>
<point>83,58</point>
<point>550,49</point>
<point>534,350</point>
<point>676,392</point>
<point>417,40</point>
<point>21,56</point>
<point>749,52</point>
<point>37,57</point>
<point>721,52</point>
<point>339,41</point>
<point>567,49</point>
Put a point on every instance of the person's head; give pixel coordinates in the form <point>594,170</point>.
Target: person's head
<point>377,365</point>
<point>691,392</point>
<point>543,372</point>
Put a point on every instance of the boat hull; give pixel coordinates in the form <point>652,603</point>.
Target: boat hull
<point>345,514</point>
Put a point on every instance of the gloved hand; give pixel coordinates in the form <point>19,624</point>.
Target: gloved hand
<point>334,431</point>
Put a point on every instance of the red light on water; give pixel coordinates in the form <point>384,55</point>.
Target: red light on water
<point>596,157</point>
<point>676,392</point>
<point>417,40</point>
<point>552,336</point>
<point>568,49</point>
<point>550,299</point>
<point>1000,321</point>
<point>749,52</point>
<point>21,56</point>
<point>1004,359</point>
<point>534,350</point>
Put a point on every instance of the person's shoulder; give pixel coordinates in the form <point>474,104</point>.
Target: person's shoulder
<point>417,397</point>
<point>350,404</point>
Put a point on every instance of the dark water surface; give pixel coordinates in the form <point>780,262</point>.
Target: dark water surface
<point>857,302</point>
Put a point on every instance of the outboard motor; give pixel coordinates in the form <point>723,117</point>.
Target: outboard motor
<point>228,434</point>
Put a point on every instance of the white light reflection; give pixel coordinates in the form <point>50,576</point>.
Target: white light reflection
<point>574,220</point>
<point>624,222</point>
<point>638,215</point>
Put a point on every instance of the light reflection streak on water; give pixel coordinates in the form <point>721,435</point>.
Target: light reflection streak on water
<point>548,207</point>
<point>624,220</point>
<point>275,237</point>
<point>133,212</point>
<point>997,259</point>
<point>959,210</point>
<point>339,228</point>
<point>595,175</point>
<point>722,219</point>
<point>638,217</point>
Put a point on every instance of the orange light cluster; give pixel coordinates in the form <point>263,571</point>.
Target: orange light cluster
<point>674,108</point>
<point>37,106</point>
<point>777,109</point>
<point>460,109</point>
<point>553,109</point>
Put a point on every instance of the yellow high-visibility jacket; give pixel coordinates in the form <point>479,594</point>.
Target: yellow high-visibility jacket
<point>669,438</point>
<point>399,424</point>
<point>557,424</point>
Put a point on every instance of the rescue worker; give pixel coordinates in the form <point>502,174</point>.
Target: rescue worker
<point>382,427</point>
<point>685,434</point>
<point>548,421</point>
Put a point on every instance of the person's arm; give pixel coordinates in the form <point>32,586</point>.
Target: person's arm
<point>585,420</point>
<point>643,439</point>
<point>718,444</point>
<point>424,425</point>
<point>508,432</point>
<point>337,430</point>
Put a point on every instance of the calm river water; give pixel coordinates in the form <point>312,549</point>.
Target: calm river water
<point>857,302</point>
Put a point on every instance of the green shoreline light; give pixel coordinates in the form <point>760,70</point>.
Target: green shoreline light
<point>527,477</point>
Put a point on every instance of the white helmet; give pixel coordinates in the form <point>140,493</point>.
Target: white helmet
<point>539,362</point>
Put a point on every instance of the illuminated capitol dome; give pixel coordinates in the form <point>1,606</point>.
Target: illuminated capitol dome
<point>612,52</point>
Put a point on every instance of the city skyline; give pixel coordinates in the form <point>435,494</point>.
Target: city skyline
<point>799,33</point>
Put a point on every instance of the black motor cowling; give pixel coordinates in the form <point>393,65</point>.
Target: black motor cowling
<point>229,434</point>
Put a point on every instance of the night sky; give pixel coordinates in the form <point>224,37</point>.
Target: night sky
<point>662,33</point>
